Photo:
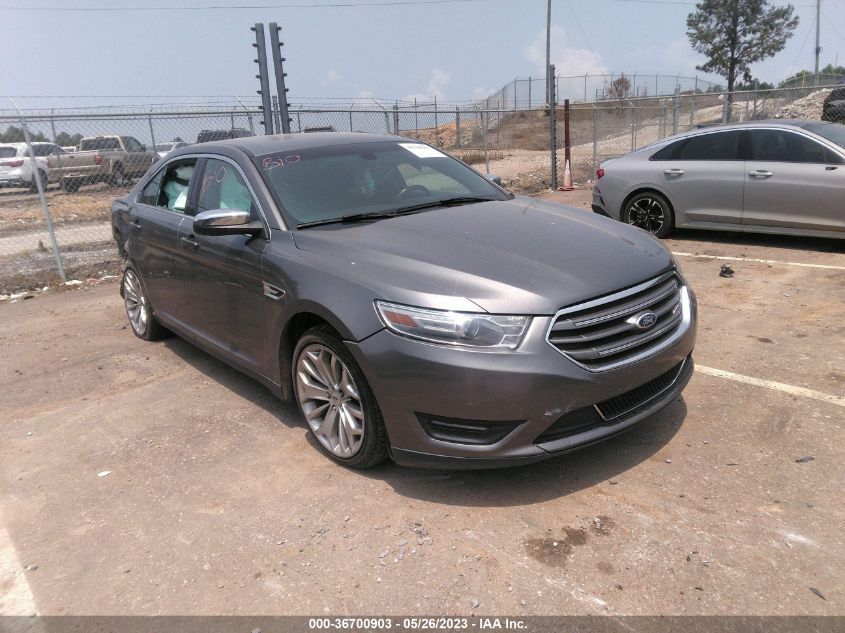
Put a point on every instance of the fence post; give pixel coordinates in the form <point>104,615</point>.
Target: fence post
<point>152,133</point>
<point>457,126</point>
<point>298,120</point>
<point>634,130</point>
<point>416,120</point>
<point>553,127</point>
<point>277,115</point>
<point>232,118</point>
<point>350,117</point>
<point>436,125</point>
<point>567,156</point>
<point>53,130</point>
<point>484,134</point>
<point>40,187</point>
<point>595,135</point>
<point>692,111</point>
<point>656,86</point>
<point>676,110</point>
<point>396,119</point>
<point>585,87</point>
<point>529,93</point>
<point>514,94</point>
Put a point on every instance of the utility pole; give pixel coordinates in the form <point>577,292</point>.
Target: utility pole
<point>261,60</point>
<point>818,34</point>
<point>548,52</point>
<point>281,90</point>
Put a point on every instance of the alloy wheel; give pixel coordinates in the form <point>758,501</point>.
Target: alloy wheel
<point>647,214</point>
<point>330,400</point>
<point>136,302</point>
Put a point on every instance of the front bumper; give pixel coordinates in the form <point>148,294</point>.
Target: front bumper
<point>533,386</point>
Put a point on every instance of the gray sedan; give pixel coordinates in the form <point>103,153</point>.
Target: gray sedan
<point>410,307</point>
<point>783,177</point>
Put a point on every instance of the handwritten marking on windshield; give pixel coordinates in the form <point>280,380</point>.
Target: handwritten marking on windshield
<point>278,160</point>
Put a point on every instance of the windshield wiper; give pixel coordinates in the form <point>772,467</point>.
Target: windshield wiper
<point>382,215</point>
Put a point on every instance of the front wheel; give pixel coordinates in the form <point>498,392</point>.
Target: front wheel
<point>138,308</point>
<point>118,177</point>
<point>651,212</point>
<point>336,401</point>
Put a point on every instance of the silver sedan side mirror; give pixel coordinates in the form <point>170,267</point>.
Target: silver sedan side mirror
<point>226,222</point>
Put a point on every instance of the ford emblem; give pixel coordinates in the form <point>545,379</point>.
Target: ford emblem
<point>643,320</point>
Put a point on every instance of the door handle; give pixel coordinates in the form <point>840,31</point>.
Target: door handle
<point>187,242</point>
<point>830,168</point>
<point>674,172</point>
<point>760,173</point>
<point>135,225</point>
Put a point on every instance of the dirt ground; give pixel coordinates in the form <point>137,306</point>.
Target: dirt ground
<point>214,500</point>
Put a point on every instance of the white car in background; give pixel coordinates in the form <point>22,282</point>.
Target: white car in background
<point>16,169</point>
<point>163,149</point>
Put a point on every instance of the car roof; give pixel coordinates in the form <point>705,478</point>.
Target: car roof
<point>259,145</point>
<point>803,124</point>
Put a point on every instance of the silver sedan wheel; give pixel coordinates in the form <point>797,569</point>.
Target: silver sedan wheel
<point>330,400</point>
<point>647,214</point>
<point>136,302</point>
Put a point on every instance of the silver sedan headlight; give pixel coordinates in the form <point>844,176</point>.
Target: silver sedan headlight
<point>469,329</point>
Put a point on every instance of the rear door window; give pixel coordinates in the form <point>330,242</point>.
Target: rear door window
<point>169,188</point>
<point>8,152</point>
<point>716,146</point>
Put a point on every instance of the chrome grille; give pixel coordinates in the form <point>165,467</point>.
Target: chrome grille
<point>602,334</point>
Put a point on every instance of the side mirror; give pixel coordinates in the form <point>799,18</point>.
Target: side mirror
<point>226,222</point>
<point>496,180</point>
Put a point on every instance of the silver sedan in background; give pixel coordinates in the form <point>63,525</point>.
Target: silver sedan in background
<point>784,177</point>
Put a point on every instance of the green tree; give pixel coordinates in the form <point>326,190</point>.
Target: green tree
<point>14,134</point>
<point>733,34</point>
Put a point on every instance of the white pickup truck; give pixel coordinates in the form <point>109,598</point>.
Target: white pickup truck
<point>112,159</point>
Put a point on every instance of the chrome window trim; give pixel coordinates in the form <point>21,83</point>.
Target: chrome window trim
<point>683,326</point>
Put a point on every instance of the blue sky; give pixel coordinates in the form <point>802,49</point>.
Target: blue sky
<point>456,51</point>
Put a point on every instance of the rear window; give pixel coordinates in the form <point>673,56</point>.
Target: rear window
<point>8,152</point>
<point>98,144</point>
<point>43,150</point>
<point>714,146</point>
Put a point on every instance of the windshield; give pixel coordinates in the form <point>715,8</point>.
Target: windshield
<point>323,183</point>
<point>833,132</point>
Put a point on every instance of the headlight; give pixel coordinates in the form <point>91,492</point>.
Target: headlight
<point>454,328</point>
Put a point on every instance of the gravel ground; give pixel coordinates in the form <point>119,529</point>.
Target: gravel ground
<point>140,478</point>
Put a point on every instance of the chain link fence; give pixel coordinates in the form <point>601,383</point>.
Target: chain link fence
<point>85,158</point>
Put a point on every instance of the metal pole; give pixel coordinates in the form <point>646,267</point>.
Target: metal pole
<point>40,187</point>
<point>585,87</point>
<point>457,126</point>
<point>152,133</point>
<point>484,134</point>
<point>634,131</point>
<point>299,121</point>
<point>553,131</point>
<point>514,94</point>
<point>692,112</point>
<point>416,120</point>
<point>595,135</point>
<point>548,52</point>
<point>566,144</point>
<point>676,107</point>
<point>276,115</point>
<point>248,115</point>
<point>261,60</point>
<point>53,130</point>
<point>278,65</point>
<point>232,119</point>
<point>396,119</point>
<point>818,34</point>
<point>529,93</point>
<point>436,126</point>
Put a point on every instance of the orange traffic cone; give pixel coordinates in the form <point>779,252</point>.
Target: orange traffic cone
<point>567,177</point>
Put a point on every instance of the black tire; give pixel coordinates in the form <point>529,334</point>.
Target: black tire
<point>650,211</point>
<point>145,325</point>
<point>117,178</point>
<point>374,443</point>
<point>33,186</point>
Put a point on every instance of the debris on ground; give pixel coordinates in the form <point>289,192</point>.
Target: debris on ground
<point>818,593</point>
<point>809,107</point>
<point>726,271</point>
<point>805,459</point>
<point>104,473</point>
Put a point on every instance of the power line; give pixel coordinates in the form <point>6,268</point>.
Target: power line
<point>832,25</point>
<point>230,7</point>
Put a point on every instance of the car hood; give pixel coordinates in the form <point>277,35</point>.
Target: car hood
<point>519,256</point>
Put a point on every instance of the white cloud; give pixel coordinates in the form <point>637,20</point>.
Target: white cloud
<point>567,59</point>
<point>331,77</point>
<point>481,92</point>
<point>437,82</point>
<point>366,94</point>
